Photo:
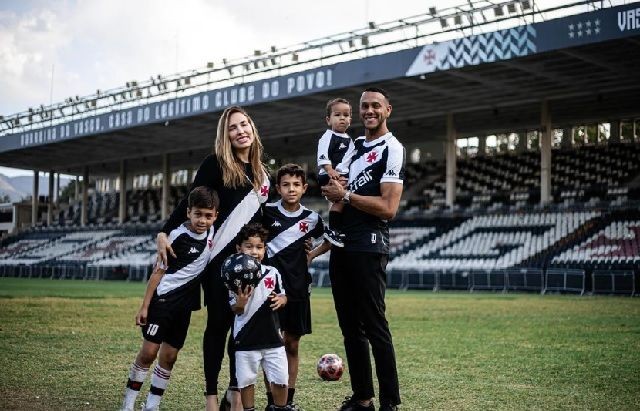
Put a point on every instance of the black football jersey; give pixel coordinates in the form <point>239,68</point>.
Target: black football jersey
<point>332,148</point>
<point>180,284</point>
<point>288,232</point>
<point>258,327</point>
<point>372,163</point>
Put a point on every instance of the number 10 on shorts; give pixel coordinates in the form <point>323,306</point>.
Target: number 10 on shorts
<point>152,329</point>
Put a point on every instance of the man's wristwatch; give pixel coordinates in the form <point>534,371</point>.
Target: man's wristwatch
<point>346,198</point>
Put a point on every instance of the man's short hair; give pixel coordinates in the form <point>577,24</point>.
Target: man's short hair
<point>335,101</point>
<point>291,170</point>
<point>252,230</point>
<point>203,197</point>
<point>379,90</point>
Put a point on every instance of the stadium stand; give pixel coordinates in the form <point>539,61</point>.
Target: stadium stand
<point>584,174</point>
<point>499,221</point>
<point>495,238</point>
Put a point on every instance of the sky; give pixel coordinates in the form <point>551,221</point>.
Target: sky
<point>51,50</point>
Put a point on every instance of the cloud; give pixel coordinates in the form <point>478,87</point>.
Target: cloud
<point>104,44</point>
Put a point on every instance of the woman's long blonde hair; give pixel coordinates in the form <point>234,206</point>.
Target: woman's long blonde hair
<point>233,174</point>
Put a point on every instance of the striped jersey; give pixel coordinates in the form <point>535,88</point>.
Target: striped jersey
<point>238,206</point>
<point>181,282</point>
<point>286,251</point>
<point>372,163</point>
<point>332,148</point>
<point>258,327</point>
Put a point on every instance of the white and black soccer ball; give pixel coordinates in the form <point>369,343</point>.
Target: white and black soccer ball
<point>330,367</point>
<point>239,270</point>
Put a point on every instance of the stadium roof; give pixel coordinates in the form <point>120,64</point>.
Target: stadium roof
<point>584,65</point>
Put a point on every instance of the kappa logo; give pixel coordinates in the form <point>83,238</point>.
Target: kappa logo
<point>276,224</point>
<point>193,250</point>
<point>391,173</point>
<point>341,146</point>
<point>322,157</point>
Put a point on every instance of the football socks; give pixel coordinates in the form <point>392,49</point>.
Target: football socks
<point>159,382</point>
<point>137,374</point>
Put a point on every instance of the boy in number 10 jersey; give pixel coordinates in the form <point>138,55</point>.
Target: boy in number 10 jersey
<point>172,293</point>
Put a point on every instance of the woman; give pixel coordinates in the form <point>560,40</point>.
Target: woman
<point>236,172</point>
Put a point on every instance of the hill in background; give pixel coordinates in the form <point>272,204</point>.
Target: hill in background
<point>19,187</point>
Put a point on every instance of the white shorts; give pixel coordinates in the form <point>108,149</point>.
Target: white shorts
<point>274,365</point>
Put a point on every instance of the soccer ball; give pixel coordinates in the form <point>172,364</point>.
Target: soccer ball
<point>239,270</point>
<point>330,367</point>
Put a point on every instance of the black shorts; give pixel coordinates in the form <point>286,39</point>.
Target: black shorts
<point>168,324</point>
<point>295,317</point>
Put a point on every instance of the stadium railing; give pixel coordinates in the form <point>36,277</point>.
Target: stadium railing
<point>564,280</point>
<point>488,280</point>
<point>613,282</point>
<point>524,279</point>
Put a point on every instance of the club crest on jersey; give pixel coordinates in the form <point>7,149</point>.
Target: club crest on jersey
<point>372,156</point>
<point>303,226</point>
<point>269,283</point>
<point>264,191</point>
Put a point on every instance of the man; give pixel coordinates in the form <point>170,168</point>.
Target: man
<point>357,271</point>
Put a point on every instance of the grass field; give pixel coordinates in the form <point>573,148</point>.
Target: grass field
<point>68,345</point>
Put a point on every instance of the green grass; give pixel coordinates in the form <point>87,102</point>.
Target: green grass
<point>68,345</point>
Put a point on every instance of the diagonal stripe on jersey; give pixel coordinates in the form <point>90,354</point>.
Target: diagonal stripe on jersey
<point>292,234</point>
<point>240,216</point>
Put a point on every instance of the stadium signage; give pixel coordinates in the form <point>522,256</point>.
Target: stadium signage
<point>283,87</point>
<point>571,31</point>
<point>629,19</point>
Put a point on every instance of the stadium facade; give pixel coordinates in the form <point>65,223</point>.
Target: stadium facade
<point>540,77</point>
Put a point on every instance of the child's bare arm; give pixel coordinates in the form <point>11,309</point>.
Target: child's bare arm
<point>318,251</point>
<point>333,174</point>
<point>152,284</point>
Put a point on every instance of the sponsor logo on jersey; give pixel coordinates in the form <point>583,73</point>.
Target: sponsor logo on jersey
<point>303,226</point>
<point>362,179</point>
<point>193,250</point>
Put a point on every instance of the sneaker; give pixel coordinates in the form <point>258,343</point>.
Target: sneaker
<point>294,407</point>
<point>350,404</point>
<point>334,237</point>
<point>388,407</point>
<point>143,407</point>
